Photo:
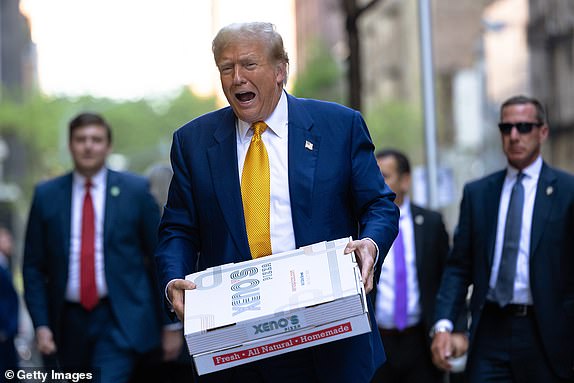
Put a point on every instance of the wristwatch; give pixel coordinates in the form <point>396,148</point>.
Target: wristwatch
<point>437,329</point>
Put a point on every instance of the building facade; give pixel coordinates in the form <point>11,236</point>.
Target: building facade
<point>551,44</point>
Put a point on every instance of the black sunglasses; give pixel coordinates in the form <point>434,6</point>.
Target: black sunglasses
<point>522,127</point>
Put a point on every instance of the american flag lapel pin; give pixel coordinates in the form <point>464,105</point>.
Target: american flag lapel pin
<point>308,145</point>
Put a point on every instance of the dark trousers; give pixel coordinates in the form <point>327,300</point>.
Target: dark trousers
<point>8,358</point>
<point>408,358</point>
<point>91,341</point>
<point>152,368</point>
<point>507,348</point>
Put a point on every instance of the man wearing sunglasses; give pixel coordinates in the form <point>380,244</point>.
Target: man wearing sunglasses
<point>515,244</point>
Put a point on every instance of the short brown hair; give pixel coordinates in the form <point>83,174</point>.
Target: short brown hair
<point>521,100</point>
<point>84,119</point>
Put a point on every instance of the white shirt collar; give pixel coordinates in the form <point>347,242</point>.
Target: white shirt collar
<point>274,121</point>
<point>532,171</point>
<point>405,207</point>
<point>98,179</point>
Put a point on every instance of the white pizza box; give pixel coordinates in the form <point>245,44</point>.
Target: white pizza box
<point>276,296</point>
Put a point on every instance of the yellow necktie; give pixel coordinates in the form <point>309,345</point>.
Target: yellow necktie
<point>255,192</point>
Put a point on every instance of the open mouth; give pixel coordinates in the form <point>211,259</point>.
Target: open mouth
<point>245,96</point>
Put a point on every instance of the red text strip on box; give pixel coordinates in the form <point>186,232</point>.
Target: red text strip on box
<point>284,344</point>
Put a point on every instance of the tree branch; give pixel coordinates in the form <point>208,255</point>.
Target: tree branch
<point>366,7</point>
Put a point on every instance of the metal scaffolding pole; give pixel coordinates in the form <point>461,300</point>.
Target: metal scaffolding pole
<point>425,31</point>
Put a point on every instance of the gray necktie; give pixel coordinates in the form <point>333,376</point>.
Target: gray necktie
<point>504,288</point>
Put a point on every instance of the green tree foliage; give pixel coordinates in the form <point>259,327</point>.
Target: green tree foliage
<point>396,124</point>
<point>35,123</point>
<point>322,77</point>
<point>142,129</point>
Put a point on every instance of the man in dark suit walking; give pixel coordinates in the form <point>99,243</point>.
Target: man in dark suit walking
<point>514,243</point>
<point>410,278</point>
<point>88,261</point>
<point>273,173</point>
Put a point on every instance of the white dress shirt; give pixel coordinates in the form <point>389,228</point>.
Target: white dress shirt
<point>276,139</point>
<point>98,193</point>
<point>386,287</point>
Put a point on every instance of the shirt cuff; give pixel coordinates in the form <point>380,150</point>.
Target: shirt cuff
<point>376,247</point>
<point>173,326</point>
<point>167,296</point>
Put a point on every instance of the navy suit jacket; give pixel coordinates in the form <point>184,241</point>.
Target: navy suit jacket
<point>551,260</point>
<point>8,323</point>
<point>336,191</point>
<point>130,236</point>
<point>8,306</point>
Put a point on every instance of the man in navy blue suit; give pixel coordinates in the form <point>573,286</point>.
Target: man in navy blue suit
<point>89,279</point>
<point>514,243</point>
<point>322,183</point>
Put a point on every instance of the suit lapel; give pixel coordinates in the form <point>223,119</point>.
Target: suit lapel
<point>66,217</point>
<point>222,157</point>
<point>112,198</point>
<point>418,231</point>
<point>491,205</point>
<point>304,146</point>
<point>545,192</point>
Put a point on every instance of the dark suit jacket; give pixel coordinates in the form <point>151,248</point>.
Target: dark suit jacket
<point>336,190</point>
<point>8,306</point>
<point>130,235</point>
<point>431,247</point>
<point>551,259</point>
<point>8,322</point>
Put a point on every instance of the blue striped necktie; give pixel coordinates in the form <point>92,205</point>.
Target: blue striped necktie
<point>504,289</point>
